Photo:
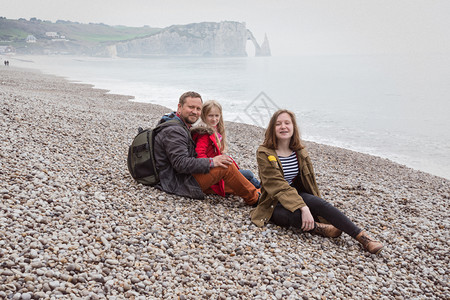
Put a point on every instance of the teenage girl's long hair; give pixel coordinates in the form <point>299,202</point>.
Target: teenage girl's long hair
<point>270,138</point>
<point>206,108</point>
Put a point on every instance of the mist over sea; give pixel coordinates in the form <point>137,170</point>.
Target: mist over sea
<point>391,106</point>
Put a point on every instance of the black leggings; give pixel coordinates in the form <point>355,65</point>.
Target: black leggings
<point>318,207</point>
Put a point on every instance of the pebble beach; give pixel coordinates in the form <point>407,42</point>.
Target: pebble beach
<point>74,224</point>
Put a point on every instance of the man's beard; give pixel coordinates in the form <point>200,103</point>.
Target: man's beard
<point>187,121</point>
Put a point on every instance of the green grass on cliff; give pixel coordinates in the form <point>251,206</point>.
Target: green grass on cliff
<point>18,30</point>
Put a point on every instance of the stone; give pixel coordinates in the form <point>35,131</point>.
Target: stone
<point>26,296</point>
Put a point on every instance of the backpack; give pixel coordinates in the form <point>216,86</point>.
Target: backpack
<point>141,157</point>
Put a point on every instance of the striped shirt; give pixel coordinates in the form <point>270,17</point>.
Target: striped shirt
<point>290,166</point>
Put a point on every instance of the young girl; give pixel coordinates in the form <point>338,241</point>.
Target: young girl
<point>290,195</point>
<point>210,139</point>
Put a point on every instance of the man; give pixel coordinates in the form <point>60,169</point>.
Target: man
<point>181,172</point>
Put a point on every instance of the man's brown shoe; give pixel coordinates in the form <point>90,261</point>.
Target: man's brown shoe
<point>327,230</point>
<point>368,243</point>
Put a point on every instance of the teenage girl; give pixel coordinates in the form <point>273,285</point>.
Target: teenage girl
<point>289,193</point>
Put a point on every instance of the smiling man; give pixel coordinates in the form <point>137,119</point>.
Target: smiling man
<point>180,171</point>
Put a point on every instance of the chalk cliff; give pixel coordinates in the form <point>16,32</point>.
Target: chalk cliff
<point>265,48</point>
<point>198,39</point>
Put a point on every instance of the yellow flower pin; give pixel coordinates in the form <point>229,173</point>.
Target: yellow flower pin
<point>272,158</point>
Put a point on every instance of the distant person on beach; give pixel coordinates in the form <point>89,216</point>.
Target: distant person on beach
<point>210,139</point>
<point>181,172</point>
<point>290,195</point>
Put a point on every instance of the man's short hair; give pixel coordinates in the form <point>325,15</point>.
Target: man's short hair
<point>187,95</point>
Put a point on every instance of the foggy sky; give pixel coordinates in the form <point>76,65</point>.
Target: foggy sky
<point>292,26</point>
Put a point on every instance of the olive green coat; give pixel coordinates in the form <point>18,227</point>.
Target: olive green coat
<point>274,188</point>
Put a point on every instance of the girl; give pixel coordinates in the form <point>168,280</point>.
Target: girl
<point>290,195</point>
<point>210,139</point>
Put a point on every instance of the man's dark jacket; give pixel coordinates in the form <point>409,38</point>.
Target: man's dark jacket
<point>177,160</point>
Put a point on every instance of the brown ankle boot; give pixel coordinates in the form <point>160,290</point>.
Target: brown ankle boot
<point>327,230</point>
<point>368,243</point>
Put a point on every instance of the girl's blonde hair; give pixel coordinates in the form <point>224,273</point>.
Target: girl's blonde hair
<point>206,108</point>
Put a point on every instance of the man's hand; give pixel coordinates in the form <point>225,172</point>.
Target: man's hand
<point>222,161</point>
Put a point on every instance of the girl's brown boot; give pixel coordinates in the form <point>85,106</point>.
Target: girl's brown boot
<point>327,230</point>
<point>368,243</point>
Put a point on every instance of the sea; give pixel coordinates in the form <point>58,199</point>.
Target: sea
<point>391,106</point>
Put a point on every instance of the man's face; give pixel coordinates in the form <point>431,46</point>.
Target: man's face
<point>190,110</point>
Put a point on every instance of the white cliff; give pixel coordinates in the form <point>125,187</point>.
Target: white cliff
<point>198,39</point>
<point>265,48</point>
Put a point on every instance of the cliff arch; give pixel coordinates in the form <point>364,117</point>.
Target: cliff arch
<point>264,49</point>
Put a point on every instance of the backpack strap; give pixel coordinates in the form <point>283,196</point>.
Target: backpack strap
<point>140,148</point>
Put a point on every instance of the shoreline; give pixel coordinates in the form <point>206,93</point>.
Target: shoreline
<point>75,224</point>
<point>412,159</point>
